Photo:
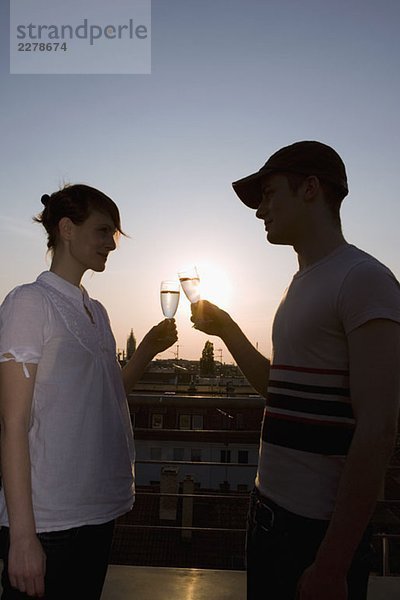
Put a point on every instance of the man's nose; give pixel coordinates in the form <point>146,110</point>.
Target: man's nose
<point>261,210</point>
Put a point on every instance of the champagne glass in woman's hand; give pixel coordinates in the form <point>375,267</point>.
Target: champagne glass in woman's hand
<point>169,295</point>
<point>190,282</point>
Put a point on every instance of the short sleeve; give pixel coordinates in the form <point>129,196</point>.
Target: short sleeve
<point>23,325</point>
<point>370,291</point>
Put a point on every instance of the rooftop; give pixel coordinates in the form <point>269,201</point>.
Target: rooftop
<point>158,583</point>
<point>162,583</point>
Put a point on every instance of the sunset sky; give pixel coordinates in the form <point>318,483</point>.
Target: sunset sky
<point>232,81</point>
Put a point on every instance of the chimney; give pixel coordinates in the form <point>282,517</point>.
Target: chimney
<point>187,507</point>
<point>168,485</point>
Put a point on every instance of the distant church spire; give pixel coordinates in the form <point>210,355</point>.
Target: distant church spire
<point>130,345</point>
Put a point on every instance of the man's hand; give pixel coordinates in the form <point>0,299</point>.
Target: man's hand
<point>27,566</point>
<point>161,336</point>
<point>318,584</point>
<point>209,318</point>
<point>212,320</point>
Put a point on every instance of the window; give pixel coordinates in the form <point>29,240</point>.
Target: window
<point>243,457</point>
<point>155,453</point>
<point>239,421</point>
<point>195,455</point>
<point>191,422</point>
<point>225,456</point>
<point>157,421</point>
<point>226,420</point>
<point>197,421</point>
<point>184,421</point>
<point>178,453</point>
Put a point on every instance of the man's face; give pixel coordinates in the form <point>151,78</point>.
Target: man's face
<point>281,209</point>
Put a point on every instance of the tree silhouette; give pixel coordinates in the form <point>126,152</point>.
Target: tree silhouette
<point>207,363</point>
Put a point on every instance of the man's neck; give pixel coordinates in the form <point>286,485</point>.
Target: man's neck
<point>317,247</point>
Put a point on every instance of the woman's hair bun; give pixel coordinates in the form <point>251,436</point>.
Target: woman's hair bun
<point>45,199</point>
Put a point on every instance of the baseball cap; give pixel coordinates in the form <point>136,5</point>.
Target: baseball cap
<point>304,158</point>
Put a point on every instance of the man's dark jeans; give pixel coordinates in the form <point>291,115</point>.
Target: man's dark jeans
<point>281,545</point>
<point>76,562</point>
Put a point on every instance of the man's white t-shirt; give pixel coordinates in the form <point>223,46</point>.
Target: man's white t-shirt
<point>308,420</point>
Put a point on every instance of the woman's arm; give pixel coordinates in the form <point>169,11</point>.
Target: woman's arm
<point>26,557</point>
<point>159,338</point>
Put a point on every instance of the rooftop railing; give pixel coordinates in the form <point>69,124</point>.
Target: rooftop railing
<point>382,537</point>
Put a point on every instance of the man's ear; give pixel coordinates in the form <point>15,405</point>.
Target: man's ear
<point>65,228</point>
<point>312,187</point>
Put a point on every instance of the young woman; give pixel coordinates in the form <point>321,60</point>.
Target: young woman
<point>66,438</point>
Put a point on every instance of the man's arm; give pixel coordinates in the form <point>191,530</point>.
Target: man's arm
<point>159,338</point>
<point>26,556</point>
<point>212,320</point>
<point>374,356</point>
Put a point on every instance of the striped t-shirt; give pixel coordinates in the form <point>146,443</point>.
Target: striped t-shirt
<point>308,421</point>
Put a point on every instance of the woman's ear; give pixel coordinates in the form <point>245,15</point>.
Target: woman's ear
<point>65,228</point>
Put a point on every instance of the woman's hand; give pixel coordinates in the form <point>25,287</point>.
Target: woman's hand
<point>161,336</point>
<point>27,566</point>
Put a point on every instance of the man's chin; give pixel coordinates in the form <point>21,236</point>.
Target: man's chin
<point>276,239</point>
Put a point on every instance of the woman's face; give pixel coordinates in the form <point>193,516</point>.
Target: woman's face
<point>91,241</point>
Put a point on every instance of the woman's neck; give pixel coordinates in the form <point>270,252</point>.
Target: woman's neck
<point>71,273</point>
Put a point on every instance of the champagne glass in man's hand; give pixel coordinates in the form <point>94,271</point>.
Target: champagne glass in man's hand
<point>190,282</point>
<point>209,318</point>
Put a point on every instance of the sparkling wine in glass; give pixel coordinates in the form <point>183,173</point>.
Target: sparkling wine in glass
<point>190,282</point>
<point>169,295</point>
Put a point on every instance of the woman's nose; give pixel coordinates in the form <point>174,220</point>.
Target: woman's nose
<point>111,244</point>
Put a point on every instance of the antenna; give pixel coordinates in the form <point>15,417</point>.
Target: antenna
<point>176,353</point>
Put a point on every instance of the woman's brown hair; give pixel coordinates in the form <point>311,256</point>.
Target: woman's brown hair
<point>75,202</point>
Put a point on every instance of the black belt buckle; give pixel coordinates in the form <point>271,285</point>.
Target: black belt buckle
<point>264,515</point>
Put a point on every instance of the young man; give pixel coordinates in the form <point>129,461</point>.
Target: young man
<point>332,387</point>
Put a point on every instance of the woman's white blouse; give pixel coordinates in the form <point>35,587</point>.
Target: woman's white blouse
<point>80,435</point>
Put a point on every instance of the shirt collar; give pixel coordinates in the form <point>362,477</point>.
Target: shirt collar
<point>63,286</point>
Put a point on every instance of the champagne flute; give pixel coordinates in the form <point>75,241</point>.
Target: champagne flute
<point>190,282</point>
<point>169,296</point>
